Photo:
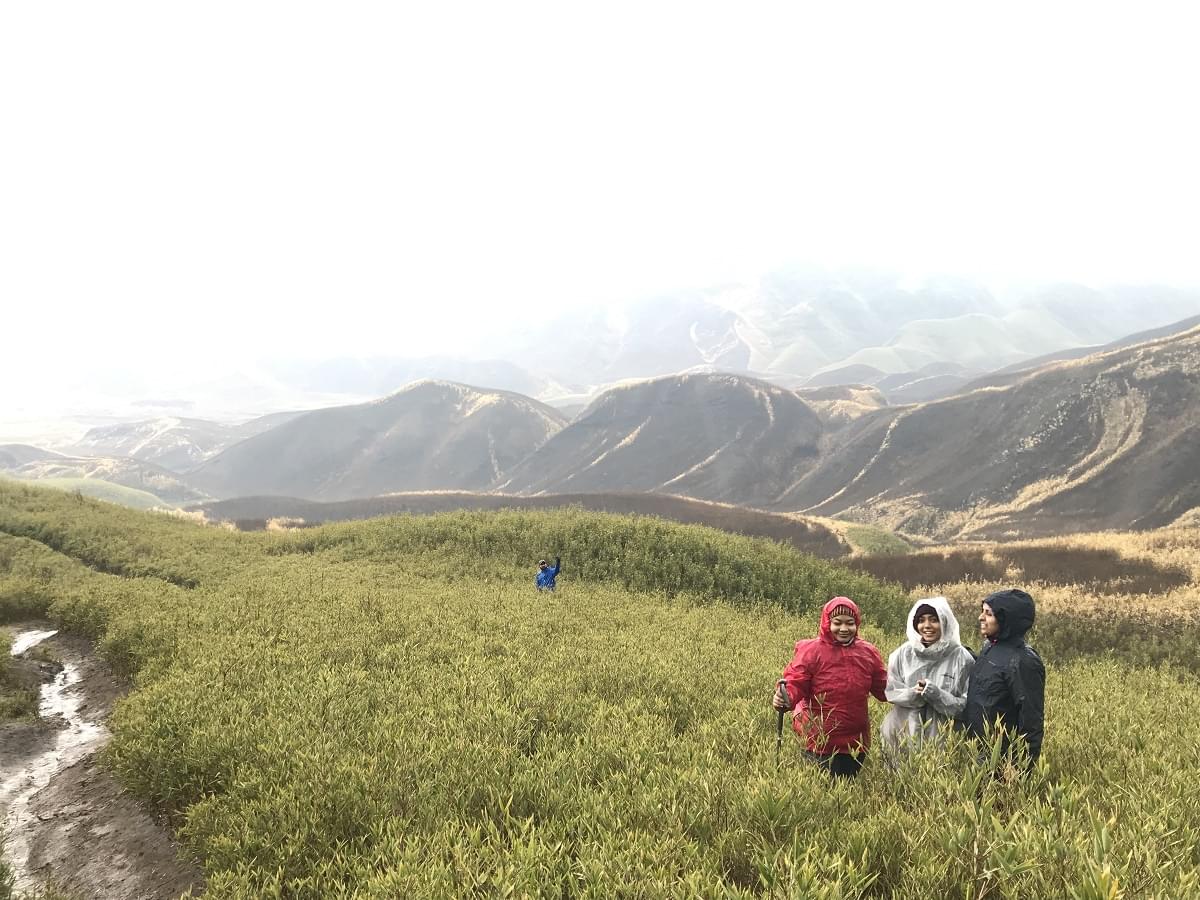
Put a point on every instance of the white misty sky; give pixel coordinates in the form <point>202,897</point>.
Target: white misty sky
<point>189,184</point>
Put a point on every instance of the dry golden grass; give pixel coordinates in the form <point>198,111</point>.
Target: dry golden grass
<point>1125,570</point>
<point>1129,595</point>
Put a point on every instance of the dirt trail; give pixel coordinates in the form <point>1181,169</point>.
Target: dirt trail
<point>65,817</point>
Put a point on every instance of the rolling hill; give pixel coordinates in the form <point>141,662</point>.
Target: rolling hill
<point>171,489</point>
<point>101,490</point>
<point>709,436</point>
<point>431,435</point>
<point>15,455</point>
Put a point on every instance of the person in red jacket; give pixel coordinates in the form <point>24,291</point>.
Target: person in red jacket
<point>827,684</point>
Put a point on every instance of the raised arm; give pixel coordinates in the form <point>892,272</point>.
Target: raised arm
<point>557,565</point>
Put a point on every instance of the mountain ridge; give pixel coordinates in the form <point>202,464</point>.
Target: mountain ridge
<point>430,434</point>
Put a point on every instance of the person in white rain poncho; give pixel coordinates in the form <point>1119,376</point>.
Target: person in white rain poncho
<point>927,678</point>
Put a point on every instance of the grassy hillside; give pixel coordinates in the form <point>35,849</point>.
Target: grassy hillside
<point>135,474</point>
<point>820,538</point>
<point>105,490</point>
<point>387,708</point>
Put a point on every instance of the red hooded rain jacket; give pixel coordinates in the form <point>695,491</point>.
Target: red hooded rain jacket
<point>828,684</point>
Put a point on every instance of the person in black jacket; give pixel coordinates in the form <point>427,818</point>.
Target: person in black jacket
<point>1008,682</point>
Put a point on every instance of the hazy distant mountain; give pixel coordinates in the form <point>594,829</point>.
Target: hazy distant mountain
<point>709,436</point>
<point>431,435</point>
<point>832,327</point>
<point>911,387</point>
<point>14,455</point>
<point>173,489</point>
<point>857,373</point>
<point>171,442</point>
<point>930,382</point>
<point>174,443</point>
<point>804,320</point>
<point>379,376</point>
<point>1108,441</point>
<point>817,323</point>
<point>838,404</point>
<point>808,322</point>
<point>248,429</point>
<point>662,336</point>
<point>1017,371</point>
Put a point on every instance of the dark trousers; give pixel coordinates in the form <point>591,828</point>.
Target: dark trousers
<point>839,765</point>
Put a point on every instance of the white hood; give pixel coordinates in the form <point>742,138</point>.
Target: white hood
<point>949,627</point>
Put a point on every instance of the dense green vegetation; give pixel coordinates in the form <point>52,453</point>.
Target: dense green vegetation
<point>387,708</point>
<point>869,539</point>
<point>17,698</point>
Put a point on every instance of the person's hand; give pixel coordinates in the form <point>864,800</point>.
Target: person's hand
<point>780,700</point>
<point>920,688</point>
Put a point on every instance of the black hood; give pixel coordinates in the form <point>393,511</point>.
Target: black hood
<point>1014,610</point>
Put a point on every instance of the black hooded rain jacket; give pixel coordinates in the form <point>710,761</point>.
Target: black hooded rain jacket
<point>1008,681</point>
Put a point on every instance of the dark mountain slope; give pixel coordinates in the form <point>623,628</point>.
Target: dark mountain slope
<point>431,435</point>
<point>1104,442</point>
<point>710,436</point>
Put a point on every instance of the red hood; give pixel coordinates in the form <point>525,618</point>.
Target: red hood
<point>826,632</point>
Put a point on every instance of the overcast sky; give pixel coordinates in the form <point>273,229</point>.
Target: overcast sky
<point>211,180</point>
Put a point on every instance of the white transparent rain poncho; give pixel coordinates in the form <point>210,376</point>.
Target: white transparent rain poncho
<point>945,666</point>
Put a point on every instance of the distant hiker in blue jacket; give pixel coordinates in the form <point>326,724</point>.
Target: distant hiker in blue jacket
<point>546,575</point>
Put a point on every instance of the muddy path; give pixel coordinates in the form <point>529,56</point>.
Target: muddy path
<point>66,819</point>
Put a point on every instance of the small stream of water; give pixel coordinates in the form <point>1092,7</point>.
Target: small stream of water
<point>63,748</point>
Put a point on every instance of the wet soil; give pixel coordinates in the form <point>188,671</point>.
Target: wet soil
<point>67,818</point>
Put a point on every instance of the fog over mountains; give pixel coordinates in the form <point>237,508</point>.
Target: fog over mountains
<point>808,324</point>
<point>813,327</point>
<point>913,340</point>
<point>937,409</point>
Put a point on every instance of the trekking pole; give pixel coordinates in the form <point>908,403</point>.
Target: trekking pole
<point>778,727</point>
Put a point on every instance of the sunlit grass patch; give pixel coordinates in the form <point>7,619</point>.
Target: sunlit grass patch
<point>873,541</point>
